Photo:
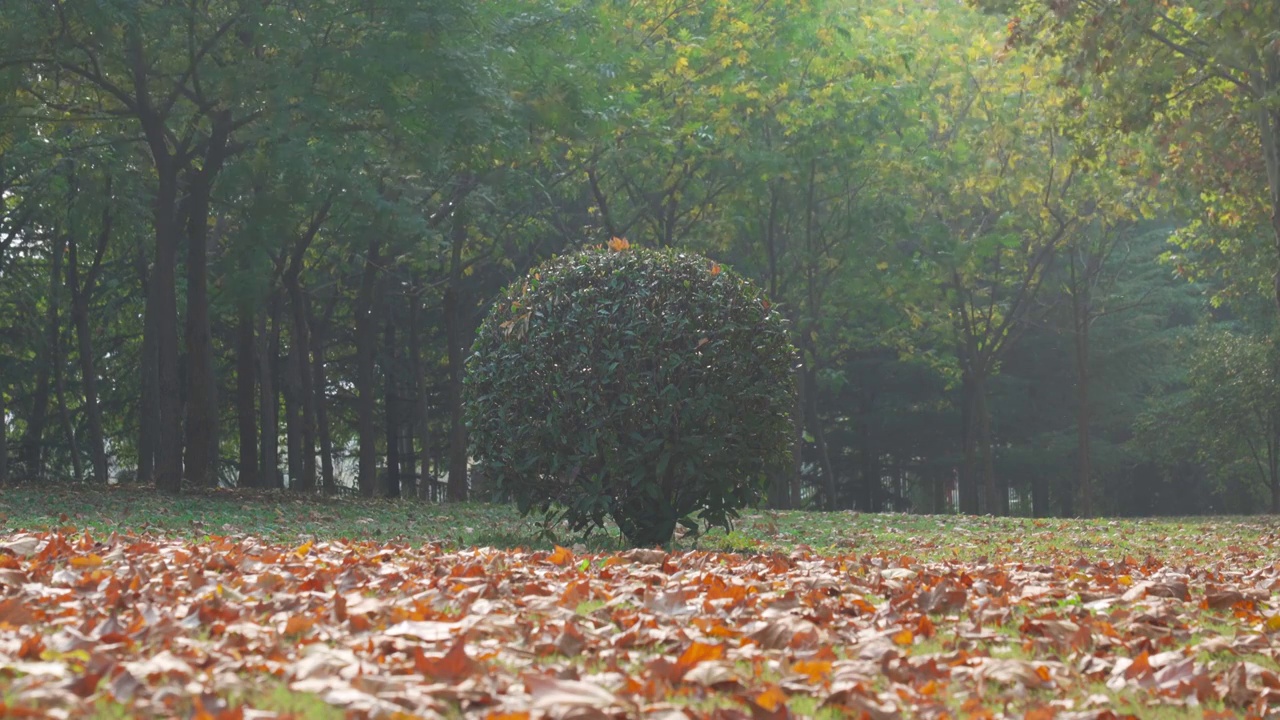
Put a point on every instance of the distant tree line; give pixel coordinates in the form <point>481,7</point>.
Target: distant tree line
<point>249,243</point>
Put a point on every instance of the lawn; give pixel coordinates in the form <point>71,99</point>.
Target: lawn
<point>118,603</point>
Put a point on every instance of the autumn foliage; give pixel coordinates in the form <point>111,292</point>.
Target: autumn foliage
<point>173,628</point>
<point>640,385</point>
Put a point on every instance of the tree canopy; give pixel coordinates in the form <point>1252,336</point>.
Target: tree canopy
<point>1026,249</point>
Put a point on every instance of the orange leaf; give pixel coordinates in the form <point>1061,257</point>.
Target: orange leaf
<point>715,268</point>
<point>696,653</point>
<point>303,549</point>
<point>576,592</point>
<point>904,637</point>
<point>925,627</point>
<point>824,652</point>
<point>720,630</point>
<point>618,244</point>
<point>772,698</point>
<point>1141,664</point>
<point>816,670</point>
<point>562,557</point>
<point>86,561</point>
<point>297,624</point>
<point>31,648</point>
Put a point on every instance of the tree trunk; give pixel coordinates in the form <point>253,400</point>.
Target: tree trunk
<point>868,457</point>
<point>969,503</point>
<point>779,497</point>
<point>149,382</point>
<point>1273,460</point>
<point>81,297</point>
<point>4,433</point>
<point>60,383</point>
<point>426,479</point>
<point>168,448</point>
<point>246,409</point>
<point>304,392</point>
<point>1039,496</point>
<point>269,402</point>
<point>1269,132</point>
<point>202,403</point>
<point>796,499</point>
<point>992,503</point>
<point>329,481</point>
<point>1273,463</point>
<point>1080,327</point>
<point>391,407</point>
<point>33,455</point>
<point>417,401</point>
<point>1068,498</point>
<point>457,491</point>
<point>780,484</point>
<point>366,339</point>
<point>820,438</point>
<point>57,361</point>
<point>784,486</point>
<point>162,305</point>
<point>293,415</point>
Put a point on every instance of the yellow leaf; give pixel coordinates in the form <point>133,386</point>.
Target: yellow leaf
<point>1272,624</point>
<point>303,549</point>
<point>904,637</point>
<point>88,561</point>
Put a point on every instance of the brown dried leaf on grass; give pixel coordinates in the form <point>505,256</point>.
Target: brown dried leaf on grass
<point>166,627</point>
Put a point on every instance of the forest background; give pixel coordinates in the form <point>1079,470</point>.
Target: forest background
<point>1028,251</point>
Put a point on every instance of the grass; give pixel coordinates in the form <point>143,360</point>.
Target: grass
<point>1236,542</point>
<point>272,696</point>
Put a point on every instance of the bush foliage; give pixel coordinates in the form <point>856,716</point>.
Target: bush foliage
<point>652,387</point>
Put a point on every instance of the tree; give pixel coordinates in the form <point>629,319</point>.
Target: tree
<point>1235,404</point>
<point>1008,195</point>
<point>196,85</point>
<point>1201,78</point>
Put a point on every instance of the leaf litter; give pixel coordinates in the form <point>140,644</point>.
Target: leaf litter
<point>172,627</point>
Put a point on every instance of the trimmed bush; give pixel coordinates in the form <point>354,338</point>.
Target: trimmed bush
<point>646,386</point>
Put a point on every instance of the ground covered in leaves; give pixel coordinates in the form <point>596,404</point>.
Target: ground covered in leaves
<point>890,616</point>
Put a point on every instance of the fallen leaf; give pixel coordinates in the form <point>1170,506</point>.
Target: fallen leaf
<point>549,693</point>
<point>452,667</point>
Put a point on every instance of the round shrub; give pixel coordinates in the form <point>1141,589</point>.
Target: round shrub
<point>645,386</point>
